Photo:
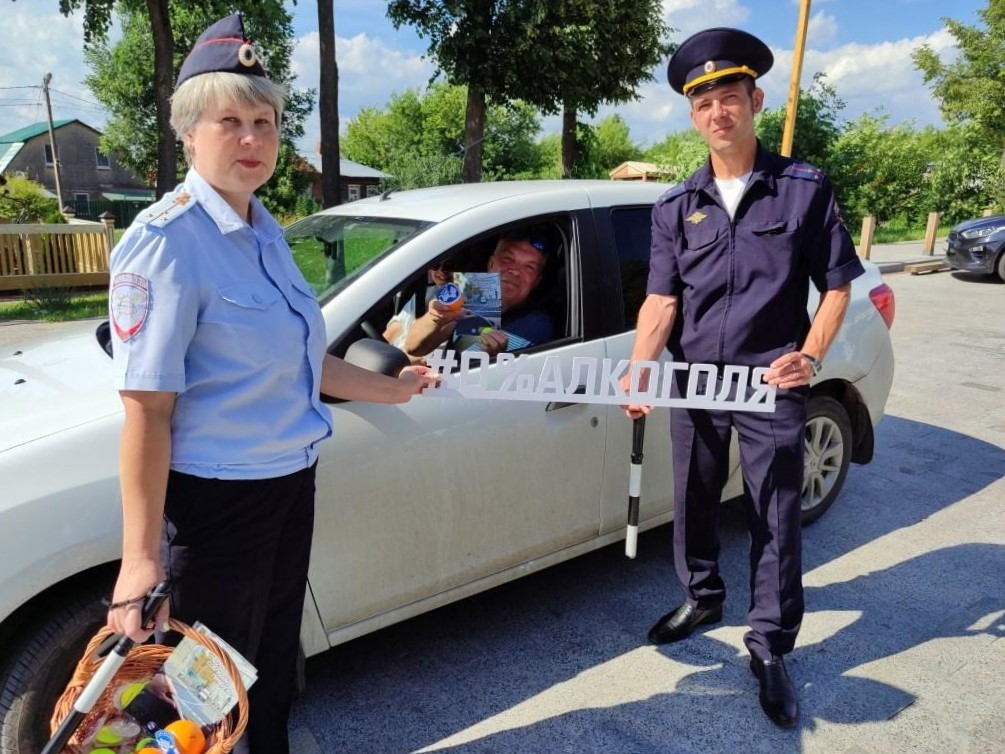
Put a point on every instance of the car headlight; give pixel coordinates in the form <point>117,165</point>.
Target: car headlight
<point>981,232</point>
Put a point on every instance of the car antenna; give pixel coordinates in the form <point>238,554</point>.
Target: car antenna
<point>386,195</point>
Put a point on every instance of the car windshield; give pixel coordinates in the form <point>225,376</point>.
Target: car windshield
<point>331,250</point>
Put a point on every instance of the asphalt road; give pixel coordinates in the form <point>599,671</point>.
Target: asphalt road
<point>901,646</point>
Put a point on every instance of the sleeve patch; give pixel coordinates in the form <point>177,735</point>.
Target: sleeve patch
<point>129,304</point>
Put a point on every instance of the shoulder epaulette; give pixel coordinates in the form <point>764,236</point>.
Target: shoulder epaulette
<point>169,208</point>
<point>671,192</point>
<point>805,171</point>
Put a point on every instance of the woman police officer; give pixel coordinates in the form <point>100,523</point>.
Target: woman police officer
<point>219,353</point>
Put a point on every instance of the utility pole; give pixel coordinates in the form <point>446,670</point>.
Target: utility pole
<point>52,139</point>
<point>797,70</point>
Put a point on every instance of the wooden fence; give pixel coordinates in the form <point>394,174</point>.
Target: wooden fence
<point>54,256</point>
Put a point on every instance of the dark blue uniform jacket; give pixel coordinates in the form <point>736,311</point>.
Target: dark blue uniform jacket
<point>743,283</point>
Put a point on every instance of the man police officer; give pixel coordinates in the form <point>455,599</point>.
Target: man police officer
<point>734,248</point>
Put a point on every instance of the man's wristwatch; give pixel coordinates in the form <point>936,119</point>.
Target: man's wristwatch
<point>814,363</point>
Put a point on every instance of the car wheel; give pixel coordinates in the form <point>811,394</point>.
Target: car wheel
<point>38,665</point>
<point>826,456</point>
<point>1000,266</point>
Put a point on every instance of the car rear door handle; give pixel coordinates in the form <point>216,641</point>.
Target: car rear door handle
<point>555,405</point>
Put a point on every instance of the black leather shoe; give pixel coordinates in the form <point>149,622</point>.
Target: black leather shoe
<point>679,624</point>
<point>778,695</point>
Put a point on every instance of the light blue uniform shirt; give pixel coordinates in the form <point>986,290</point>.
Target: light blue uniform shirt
<point>208,307</point>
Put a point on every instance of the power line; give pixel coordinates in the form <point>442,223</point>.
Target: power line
<point>73,96</point>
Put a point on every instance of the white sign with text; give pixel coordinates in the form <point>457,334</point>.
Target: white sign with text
<point>594,380</point>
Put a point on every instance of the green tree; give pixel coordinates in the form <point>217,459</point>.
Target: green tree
<point>24,201</point>
<point>568,55</point>
<point>964,171</point>
<point>120,76</point>
<point>595,52</point>
<point>511,152</point>
<point>971,87</point>
<point>615,143</point>
<point>678,155</point>
<point>419,139</point>
<point>881,170</point>
<point>550,147</point>
<point>601,148</point>
<point>818,124</point>
<point>474,43</point>
<point>402,142</point>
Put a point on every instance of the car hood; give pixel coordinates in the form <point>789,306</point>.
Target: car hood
<point>981,222</point>
<point>54,383</point>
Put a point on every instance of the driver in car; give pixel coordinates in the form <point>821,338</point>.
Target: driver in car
<point>519,258</point>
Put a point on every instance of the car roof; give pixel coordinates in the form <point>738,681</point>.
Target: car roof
<point>440,202</point>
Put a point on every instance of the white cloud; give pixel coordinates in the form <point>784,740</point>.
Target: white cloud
<point>869,78</point>
<point>36,43</point>
<point>822,30</point>
<point>690,16</point>
<point>369,73</point>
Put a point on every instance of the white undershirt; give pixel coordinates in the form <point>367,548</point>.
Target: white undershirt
<point>731,189</point>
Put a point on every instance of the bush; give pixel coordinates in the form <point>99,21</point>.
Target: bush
<point>22,201</point>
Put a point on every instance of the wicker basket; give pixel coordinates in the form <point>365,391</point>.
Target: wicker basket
<point>142,662</point>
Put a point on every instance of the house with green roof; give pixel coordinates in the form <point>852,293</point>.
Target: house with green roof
<point>88,178</point>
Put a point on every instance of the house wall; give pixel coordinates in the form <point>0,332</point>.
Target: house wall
<point>78,170</point>
<point>345,182</point>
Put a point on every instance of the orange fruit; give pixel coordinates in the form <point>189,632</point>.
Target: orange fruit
<point>150,750</point>
<point>188,736</point>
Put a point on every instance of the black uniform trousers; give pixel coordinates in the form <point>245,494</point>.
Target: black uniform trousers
<point>771,458</point>
<point>236,553</point>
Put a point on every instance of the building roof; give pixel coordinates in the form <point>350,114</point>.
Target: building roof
<point>35,129</point>
<point>348,168</point>
<point>635,170</point>
<point>129,195</point>
<point>11,143</point>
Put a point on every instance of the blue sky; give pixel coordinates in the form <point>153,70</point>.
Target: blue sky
<point>863,46</point>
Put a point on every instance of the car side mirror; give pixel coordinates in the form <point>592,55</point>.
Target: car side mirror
<point>375,355</point>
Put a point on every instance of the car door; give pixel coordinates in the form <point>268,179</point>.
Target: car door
<point>623,244</point>
<point>425,502</point>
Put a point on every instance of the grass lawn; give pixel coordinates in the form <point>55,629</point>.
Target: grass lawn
<point>55,305</point>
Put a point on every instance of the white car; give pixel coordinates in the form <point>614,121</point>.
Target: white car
<point>420,504</point>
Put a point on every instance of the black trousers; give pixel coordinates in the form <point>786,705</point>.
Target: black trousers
<point>237,553</point>
<point>771,458</point>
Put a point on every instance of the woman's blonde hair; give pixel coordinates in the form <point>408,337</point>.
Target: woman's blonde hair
<point>200,92</point>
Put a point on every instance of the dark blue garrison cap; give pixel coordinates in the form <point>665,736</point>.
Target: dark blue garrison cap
<point>717,56</point>
<point>222,47</point>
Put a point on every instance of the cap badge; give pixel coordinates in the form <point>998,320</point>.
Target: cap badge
<point>709,66</point>
<point>696,217</point>
<point>246,54</point>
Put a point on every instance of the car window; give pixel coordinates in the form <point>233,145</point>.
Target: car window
<point>331,250</point>
<point>632,238</point>
<point>545,309</point>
